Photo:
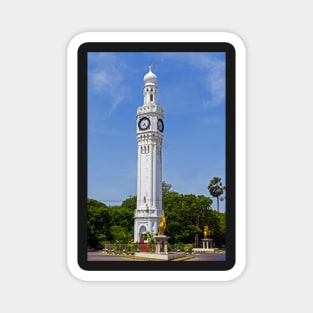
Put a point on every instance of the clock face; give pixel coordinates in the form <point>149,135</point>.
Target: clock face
<point>160,125</point>
<point>144,123</point>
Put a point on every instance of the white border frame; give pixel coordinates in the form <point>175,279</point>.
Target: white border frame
<point>72,175</point>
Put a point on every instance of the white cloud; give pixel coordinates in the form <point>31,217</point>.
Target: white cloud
<point>211,70</point>
<point>106,76</point>
<point>216,83</point>
<point>212,121</point>
<point>100,81</point>
<point>213,76</point>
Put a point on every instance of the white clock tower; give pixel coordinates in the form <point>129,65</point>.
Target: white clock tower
<point>150,127</point>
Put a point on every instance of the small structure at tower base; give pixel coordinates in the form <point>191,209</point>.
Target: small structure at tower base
<point>207,243</point>
<point>161,241</point>
<point>207,246</point>
<point>161,244</point>
<point>161,252</point>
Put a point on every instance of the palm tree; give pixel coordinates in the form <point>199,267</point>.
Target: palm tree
<point>216,189</point>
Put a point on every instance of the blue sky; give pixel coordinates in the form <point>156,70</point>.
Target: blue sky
<point>191,90</point>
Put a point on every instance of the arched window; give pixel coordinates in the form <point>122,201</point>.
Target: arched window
<point>151,97</point>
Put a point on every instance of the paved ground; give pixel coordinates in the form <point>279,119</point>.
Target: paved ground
<point>98,256</point>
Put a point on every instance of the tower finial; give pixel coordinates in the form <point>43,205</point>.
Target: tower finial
<point>150,67</point>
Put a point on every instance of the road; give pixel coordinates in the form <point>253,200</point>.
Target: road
<point>208,257</point>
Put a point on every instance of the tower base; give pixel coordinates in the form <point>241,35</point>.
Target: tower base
<point>160,257</point>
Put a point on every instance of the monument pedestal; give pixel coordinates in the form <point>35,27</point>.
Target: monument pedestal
<point>207,246</point>
<point>207,243</point>
<point>161,244</point>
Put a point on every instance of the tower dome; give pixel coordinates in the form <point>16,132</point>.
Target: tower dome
<point>150,78</point>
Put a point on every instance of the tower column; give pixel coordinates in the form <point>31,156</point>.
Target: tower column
<point>154,178</point>
<point>151,176</point>
<point>138,176</point>
<point>149,132</point>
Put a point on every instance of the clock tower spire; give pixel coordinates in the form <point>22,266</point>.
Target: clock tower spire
<point>150,132</point>
<point>150,87</point>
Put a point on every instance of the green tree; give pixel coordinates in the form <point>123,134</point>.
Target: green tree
<point>216,189</point>
<point>220,235</point>
<point>98,218</point>
<point>109,223</point>
<point>120,234</point>
<point>172,203</point>
<point>122,217</point>
<point>186,216</point>
<point>130,203</point>
<point>166,188</point>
